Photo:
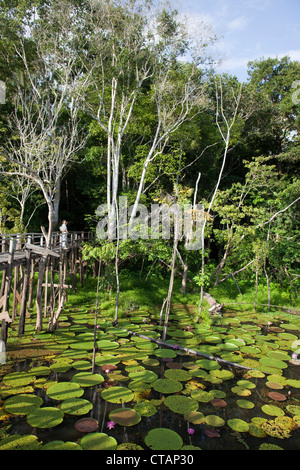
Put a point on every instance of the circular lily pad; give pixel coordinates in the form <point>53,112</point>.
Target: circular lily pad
<point>167,386</point>
<point>106,344</point>
<point>169,353</point>
<point>218,402</point>
<point>238,425</point>
<point>61,445</point>
<point>117,395</point>
<point>163,439</point>
<point>40,370</point>
<point>76,406</point>
<point>272,410</point>
<point>248,405</point>
<point>16,442</point>
<point>87,379</point>
<point>208,364</point>
<point>125,416</point>
<point>195,417</point>
<point>202,395</point>
<point>272,362</point>
<point>98,441</point>
<point>86,425</point>
<point>214,420</point>
<point>64,390</point>
<point>146,376</point>
<point>277,396</point>
<point>18,379</point>
<point>47,417</point>
<point>81,365</point>
<point>145,409</point>
<point>179,375</point>
<point>22,404</point>
<point>181,404</point>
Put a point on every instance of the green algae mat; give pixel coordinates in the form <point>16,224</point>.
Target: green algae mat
<point>145,396</point>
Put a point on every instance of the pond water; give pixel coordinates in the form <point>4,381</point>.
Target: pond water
<point>143,391</point>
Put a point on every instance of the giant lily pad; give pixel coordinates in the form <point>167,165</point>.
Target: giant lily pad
<point>18,379</point>
<point>98,441</point>
<point>22,404</point>
<point>65,390</point>
<point>238,425</point>
<point>117,394</point>
<point>214,420</point>
<point>87,379</point>
<point>61,445</point>
<point>181,404</point>
<point>167,386</point>
<point>146,376</point>
<point>47,417</point>
<point>76,406</point>
<point>125,416</point>
<point>179,375</point>
<point>163,439</point>
<point>145,409</point>
<point>16,442</point>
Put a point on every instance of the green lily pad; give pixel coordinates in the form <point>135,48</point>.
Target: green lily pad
<point>145,409</point>
<point>61,445</point>
<point>125,416</point>
<point>81,365</point>
<point>272,410</point>
<point>248,405</point>
<point>18,379</point>
<point>194,417</point>
<point>181,404</point>
<point>179,375</point>
<point>272,362</point>
<point>238,425</point>
<point>246,384</point>
<point>24,442</point>
<point>64,390</point>
<point>167,386</point>
<point>214,420</point>
<point>170,353</point>
<point>208,364</point>
<point>146,376</point>
<point>87,379</point>
<point>47,417</point>
<point>163,439</point>
<point>98,441</point>
<point>40,370</point>
<point>76,406</point>
<point>202,395</point>
<point>117,395</point>
<point>22,404</point>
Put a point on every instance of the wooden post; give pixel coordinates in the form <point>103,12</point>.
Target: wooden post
<point>24,293</point>
<point>8,276</point>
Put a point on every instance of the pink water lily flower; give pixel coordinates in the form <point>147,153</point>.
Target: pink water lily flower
<point>191,431</point>
<point>110,424</point>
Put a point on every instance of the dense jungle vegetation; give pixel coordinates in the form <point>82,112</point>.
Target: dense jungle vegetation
<point>110,99</point>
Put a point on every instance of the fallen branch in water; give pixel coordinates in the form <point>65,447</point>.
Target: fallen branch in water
<point>189,351</point>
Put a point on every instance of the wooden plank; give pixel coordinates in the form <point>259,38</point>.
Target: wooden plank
<point>41,250</point>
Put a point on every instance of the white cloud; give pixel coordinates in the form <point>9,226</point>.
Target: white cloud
<point>237,24</point>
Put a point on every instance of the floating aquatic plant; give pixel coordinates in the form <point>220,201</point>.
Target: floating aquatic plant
<point>163,439</point>
<point>47,417</point>
<point>98,441</point>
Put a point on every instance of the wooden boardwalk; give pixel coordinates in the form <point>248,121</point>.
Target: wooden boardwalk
<point>24,255</point>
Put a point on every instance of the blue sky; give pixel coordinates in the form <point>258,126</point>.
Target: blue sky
<point>248,29</point>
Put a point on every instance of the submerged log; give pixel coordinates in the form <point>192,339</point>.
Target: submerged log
<point>190,351</point>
